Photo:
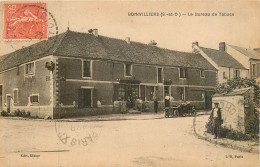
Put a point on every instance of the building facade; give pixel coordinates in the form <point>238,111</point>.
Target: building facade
<point>249,58</point>
<point>89,74</point>
<point>227,66</point>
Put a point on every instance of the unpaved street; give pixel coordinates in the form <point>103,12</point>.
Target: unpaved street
<point>155,142</point>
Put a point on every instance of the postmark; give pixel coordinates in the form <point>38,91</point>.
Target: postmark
<point>77,134</point>
<point>39,30</point>
<point>25,21</point>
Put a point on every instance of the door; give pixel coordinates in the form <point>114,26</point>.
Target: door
<point>132,93</point>
<point>8,103</point>
<point>208,99</point>
<point>87,98</point>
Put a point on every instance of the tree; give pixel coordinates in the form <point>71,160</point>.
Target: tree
<point>230,85</point>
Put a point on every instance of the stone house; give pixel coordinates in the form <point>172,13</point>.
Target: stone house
<point>249,58</point>
<point>89,74</point>
<point>227,66</point>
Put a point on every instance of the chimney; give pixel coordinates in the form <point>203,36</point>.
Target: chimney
<point>127,39</point>
<point>95,32</point>
<point>152,43</point>
<point>196,43</point>
<point>222,46</point>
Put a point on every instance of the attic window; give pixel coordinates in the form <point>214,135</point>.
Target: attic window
<point>159,75</point>
<point>29,69</point>
<point>128,70</point>
<point>87,69</point>
<point>183,73</point>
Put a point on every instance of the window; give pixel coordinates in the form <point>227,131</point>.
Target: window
<point>29,69</point>
<point>181,93</point>
<point>202,74</point>
<point>128,70</point>
<point>159,75</point>
<point>149,93</point>
<point>183,73</point>
<point>237,74</point>
<point>225,75</point>
<point>34,99</point>
<point>87,68</point>
<point>15,95</point>
<point>254,70</point>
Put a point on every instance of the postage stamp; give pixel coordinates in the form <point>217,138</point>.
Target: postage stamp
<point>38,25</point>
<point>25,21</point>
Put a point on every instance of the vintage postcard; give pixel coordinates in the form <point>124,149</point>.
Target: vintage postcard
<point>129,83</point>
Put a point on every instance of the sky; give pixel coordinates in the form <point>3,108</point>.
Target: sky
<point>176,33</point>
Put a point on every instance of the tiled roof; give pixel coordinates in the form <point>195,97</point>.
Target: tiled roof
<point>252,54</point>
<point>86,45</point>
<point>238,92</point>
<point>222,58</point>
<point>30,53</point>
<point>235,92</point>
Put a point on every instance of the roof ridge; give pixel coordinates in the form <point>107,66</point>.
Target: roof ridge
<point>136,42</point>
<point>212,49</point>
<point>60,41</point>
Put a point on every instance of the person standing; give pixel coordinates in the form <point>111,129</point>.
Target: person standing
<point>216,120</point>
<point>155,105</point>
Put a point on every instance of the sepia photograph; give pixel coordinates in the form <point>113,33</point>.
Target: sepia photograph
<point>129,83</point>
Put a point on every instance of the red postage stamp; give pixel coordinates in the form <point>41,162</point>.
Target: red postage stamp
<point>25,21</point>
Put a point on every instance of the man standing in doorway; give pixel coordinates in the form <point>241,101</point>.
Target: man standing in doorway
<point>216,120</point>
<point>155,105</point>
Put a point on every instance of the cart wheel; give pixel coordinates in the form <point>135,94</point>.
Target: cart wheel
<point>176,112</point>
<point>172,114</point>
<point>166,114</point>
<point>194,112</point>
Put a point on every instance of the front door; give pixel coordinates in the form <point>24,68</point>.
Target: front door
<point>208,99</point>
<point>132,93</point>
<point>87,101</point>
<point>8,102</point>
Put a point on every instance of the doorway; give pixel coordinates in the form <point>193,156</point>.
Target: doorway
<point>87,98</point>
<point>132,93</point>
<point>8,103</point>
<point>208,99</point>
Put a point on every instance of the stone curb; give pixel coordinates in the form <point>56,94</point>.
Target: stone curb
<point>119,118</point>
<point>223,144</point>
